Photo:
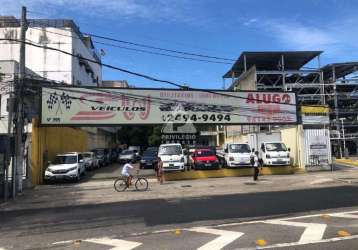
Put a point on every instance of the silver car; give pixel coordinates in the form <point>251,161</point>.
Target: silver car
<point>127,155</point>
<point>90,160</point>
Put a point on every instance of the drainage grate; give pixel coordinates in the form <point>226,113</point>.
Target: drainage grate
<point>186,186</point>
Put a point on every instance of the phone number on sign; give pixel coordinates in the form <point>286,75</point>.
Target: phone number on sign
<point>195,117</point>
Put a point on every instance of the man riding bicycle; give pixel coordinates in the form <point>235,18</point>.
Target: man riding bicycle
<point>126,172</point>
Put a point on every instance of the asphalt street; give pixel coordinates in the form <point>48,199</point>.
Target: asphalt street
<point>327,219</point>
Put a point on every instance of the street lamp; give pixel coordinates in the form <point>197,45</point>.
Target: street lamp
<point>344,138</point>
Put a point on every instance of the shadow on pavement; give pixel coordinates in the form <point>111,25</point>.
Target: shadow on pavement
<point>175,211</point>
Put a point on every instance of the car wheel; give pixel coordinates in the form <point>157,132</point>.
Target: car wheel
<point>225,164</point>
<point>78,177</point>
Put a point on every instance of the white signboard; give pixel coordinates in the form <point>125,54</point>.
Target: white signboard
<point>115,106</point>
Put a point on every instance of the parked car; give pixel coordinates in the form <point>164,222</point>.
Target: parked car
<point>274,154</point>
<point>90,160</point>
<point>100,156</point>
<point>137,151</point>
<point>235,155</point>
<point>152,149</point>
<point>114,155</point>
<point>172,156</point>
<point>149,159</point>
<point>204,159</point>
<point>127,155</point>
<point>107,156</point>
<point>68,166</point>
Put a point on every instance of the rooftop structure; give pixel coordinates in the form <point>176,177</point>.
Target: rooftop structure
<point>334,84</point>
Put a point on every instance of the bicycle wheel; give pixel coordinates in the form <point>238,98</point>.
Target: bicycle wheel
<point>141,184</point>
<point>120,185</point>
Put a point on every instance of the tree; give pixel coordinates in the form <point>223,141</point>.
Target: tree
<point>154,139</point>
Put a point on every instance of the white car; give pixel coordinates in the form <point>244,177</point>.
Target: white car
<point>172,156</point>
<point>68,166</point>
<point>275,154</point>
<point>90,161</point>
<point>236,155</point>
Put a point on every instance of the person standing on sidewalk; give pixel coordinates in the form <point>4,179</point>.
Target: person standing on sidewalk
<point>159,171</point>
<point>254,159</point>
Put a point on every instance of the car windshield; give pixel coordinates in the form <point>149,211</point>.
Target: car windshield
<point>98,152</point>
<point>65,159</point>
<point>170,150</point>
<point>127,152</point>
<point>239,148</point>
<point>150,153</point>
<point>205,153</point>
<point>276,147</point>
<point>87,155</point>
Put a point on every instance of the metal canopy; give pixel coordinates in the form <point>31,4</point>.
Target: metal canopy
<point>340,69</point>
<point>271,60</point>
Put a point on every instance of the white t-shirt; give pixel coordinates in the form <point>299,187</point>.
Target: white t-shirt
<point>256,160</point>
<point>125,169</point>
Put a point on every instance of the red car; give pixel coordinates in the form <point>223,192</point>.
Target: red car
<point>204,159</point>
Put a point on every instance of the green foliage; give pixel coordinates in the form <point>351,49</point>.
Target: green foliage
<point>140,135</point>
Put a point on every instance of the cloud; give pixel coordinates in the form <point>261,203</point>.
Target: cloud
<point>250,21</point>
<point>301,37</point>
<point>159,10</point>
<point>336,38</point>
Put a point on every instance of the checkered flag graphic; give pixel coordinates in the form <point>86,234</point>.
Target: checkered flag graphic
<point>56,100</point>
<point>66,100</point>
<point>52,100</point>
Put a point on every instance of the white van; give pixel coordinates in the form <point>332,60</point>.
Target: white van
<point>237,155</point>
<point>172,156</point>
<point>275,154</point>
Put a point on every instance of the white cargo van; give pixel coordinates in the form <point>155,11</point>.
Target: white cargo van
<point>274,154</point>
<point>236,155</point>
<point>172,156</point>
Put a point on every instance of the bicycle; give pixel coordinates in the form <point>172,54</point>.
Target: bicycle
<point>141,184</point>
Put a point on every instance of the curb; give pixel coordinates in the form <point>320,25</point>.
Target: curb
<point>347,162</point>
<point>202,174</point>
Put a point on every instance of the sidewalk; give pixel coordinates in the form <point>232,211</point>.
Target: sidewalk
<point>348,161</point>
<point>102,191</point>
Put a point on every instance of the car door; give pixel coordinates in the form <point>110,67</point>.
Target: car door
<point>81,163</point>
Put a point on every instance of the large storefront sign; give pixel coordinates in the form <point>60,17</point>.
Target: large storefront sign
<point>115,106</point>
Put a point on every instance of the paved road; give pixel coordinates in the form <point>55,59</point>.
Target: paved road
<point>40,228</point>
<point>201,214</point>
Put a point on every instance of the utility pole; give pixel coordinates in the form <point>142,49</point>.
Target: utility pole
<point>336,111</point>
<point>19,116</point>
<point>344,137</point>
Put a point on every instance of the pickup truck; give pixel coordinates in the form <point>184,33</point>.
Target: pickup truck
<point>274,154</point>
<point>235,155</point>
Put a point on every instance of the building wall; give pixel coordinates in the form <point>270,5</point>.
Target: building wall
<point>81,75</point>
<point>9,68</point>
<point>49,141</point>
<point>46,63</point>
<point>247,80</point>
<point>51,64</point>
<point>293,138</point>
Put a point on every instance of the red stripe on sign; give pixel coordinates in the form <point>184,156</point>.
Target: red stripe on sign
<point>93,113</point>
<point>89,118</point>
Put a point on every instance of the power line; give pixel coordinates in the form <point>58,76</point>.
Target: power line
<point>146,46</point>
<point>118,93</point>
<point>155,102</point>
<point>141,50</point>
<point>143,75</point>
<point>158,48</point>
<point>160,54</point>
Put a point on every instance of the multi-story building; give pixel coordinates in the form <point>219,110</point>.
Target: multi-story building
<point>65,63</point>
<point>333,86</point>
<point>60,34</point>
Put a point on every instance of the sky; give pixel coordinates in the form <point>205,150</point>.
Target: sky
<point>223,28</point>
